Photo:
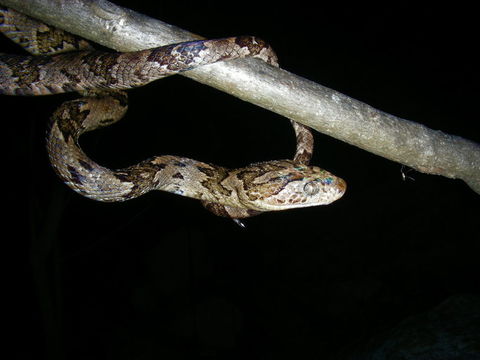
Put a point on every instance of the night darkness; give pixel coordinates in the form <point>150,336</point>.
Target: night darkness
<point>159,277</point>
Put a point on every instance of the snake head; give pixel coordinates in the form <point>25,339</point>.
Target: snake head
<point>284,184</point>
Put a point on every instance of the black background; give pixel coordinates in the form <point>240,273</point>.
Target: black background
<point>160,277</point>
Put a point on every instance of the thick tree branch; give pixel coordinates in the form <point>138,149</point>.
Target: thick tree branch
<point>323,109</point>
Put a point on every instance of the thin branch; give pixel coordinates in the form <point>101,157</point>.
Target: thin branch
<point>304,101</point>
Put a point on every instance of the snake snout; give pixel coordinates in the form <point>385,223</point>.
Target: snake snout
<point>341,185</point>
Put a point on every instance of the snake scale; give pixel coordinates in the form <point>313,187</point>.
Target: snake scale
<point>62,62</point>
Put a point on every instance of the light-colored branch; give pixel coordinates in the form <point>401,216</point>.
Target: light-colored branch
<point>304,101</point>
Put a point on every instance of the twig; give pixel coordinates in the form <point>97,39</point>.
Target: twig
<point>304,101</point>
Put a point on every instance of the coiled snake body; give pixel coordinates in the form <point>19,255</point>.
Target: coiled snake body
<point>64,63</point>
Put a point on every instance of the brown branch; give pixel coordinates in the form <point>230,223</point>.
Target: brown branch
<point>304,101</point>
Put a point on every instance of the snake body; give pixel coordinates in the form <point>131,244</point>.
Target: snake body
<point>65,63</point>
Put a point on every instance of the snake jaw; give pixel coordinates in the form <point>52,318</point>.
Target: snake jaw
<point>284,184</point>
<point>311,191</point>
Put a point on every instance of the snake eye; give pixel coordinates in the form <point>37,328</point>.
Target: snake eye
<point>311,188</point>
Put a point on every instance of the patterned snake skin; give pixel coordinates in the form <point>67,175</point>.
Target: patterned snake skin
<point>65,63</point>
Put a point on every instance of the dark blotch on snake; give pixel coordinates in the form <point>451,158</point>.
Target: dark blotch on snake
<point>85,165</point>
<point>75,176</point>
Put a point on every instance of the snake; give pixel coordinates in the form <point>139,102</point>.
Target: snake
<point>61,62</point>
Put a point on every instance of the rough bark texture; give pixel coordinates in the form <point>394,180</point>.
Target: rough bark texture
<point>304,101</point>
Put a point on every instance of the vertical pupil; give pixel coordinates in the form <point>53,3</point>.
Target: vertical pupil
<point>311,188</point>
